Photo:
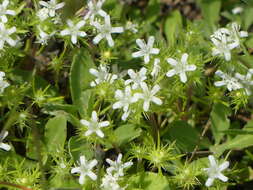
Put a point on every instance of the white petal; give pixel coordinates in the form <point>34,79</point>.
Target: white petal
<point>146,105</point>
<point>140,43</point>
<point>104,124</point>
<point>212,161</point>
<point>183,77</point>
<point>1,44</point>
<point>94,116</point>
<point>88,132</point>
<point>171,73</point>
<point>219,83</point>
<point>117,105</point>
<point>144,87</point>
<point>94,72</point>
<point>51,13</point>
<point>74,39</point>
<point>93,163</point>
<point>224,166</point>
<point>75,170</point>
<point>118,94</point>
<point>209,182</point>
<point>191,67</point>
<point>81,179</point>
<point>138,54</point>
<point>155,89</point>
<point>102,13</point>
<point>5,3</point>
<point>43,3</point>
<point>146,58</point>
<point>154,51</point>
<point>80,24</point>
<point>10,12</point>
<point>11,42</point>
<point>12,30</point>
<point>227,56</point>
<point>172,62</point>
<point>119,158</point>
<point>65,32</point>
<point>4,19</point>
<point>5,146</point>
<point>5,134</point>
<point>110,40</point>
<point>92,175</point>
<point>82,34</point>
<point>184,58</point>
<point>243,34</point>
<point>82,160</point>
<point>157,100</point>
<point>85,122</point>
<point>222,177</point>
<point>127,164</point>
<point>60,5</point>
<point>117,30</point>
<point>100,133</point>
<point>151,41</point>
<point>97,39</point>
<point>125,116</point>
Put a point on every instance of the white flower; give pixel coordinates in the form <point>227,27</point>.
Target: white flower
<point>109,182</point>
<point>124,99</point>
<point>148,96</point>
<point>246,80</point>
<point>105,31</point>
<point>43,14</point>
<point>3,83</point>
<point>156,68</point>
<point>4,11</point>
<point>74,30</point>
<point>102,75</point>
<point>52,6</point>
<point>146,49</point>
<point>116,167</point>
<point>4,146</point>
<point>214,171</point>
<point>237,10</point>
<point>85,169</point>
<point>5,35</point>
<point>95,8</point>
<point>131,26</point>
<point>94,126</point>
<point>180,67</point>
<point>231,82</point>
<point>235,34</point>
<point>43,37</point>
<point>136,78</point>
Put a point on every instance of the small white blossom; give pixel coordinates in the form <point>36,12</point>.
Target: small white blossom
<point>4,11</point>
<point>43,14</point>
<point>227,80</point>
<point>102,75</point>
<point>148,96</point>
<point>43,37</point>
<point>146,49</point>
<point>117,167</point>
<point>124,99</point>
<point>235,34</point>
<point>5,35</point>
<point>95,8</point>
<point>52,6</point>
<point>237,10</point>
<point>131,26</point>
<point>74,30</point>
<point>180,67</point>
<point>94,126</point>
<point>136,78</point>
<point>85,169</point>
<point>105,31</point>
<point>156,68</point>
<point>109,182</point>
<point>246,80</point>
<point>3,83</point>
<point>214,171</point>
<point>4,146</point>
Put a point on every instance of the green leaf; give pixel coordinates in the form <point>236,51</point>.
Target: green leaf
<point>239,142</point>
<point>172,27</point>
<point>126,133</point>
<point>210,10</point>
<point>55,133</point>
<point>185,135</point>
<point>80,80</point>
<point>247,17</point>
<point>148,181</point>
<point>219,120</point>
<point>153,10</point>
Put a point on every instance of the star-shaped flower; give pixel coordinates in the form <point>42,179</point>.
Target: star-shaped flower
<point>4,11</point>
<point>214,171</point>
<point>231,82</point>
<point>85,169</point>
<point>124,99</point>
<point>246,80</point>
<point>52,6</point>
<point>148,95</point>
<point>136,78</point>
<point>4,146</point>
<point>95,8</point>
<point>43,37</point>
<point>105,31</point>
<point>5,36</point>
<point>235,34</point>
<point>102,75</point>
<point>109,182</point>
<point>116,167</point>
<point>180,67</point>
<point>146,49</point>
<point>74,30</point>
<point>94,126</point>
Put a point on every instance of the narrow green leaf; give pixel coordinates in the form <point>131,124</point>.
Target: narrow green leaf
<point>55,133</point>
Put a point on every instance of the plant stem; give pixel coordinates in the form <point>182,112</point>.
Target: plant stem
<point>2,183</point>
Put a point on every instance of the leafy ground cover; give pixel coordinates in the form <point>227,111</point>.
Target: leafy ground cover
<point>126,94</point>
